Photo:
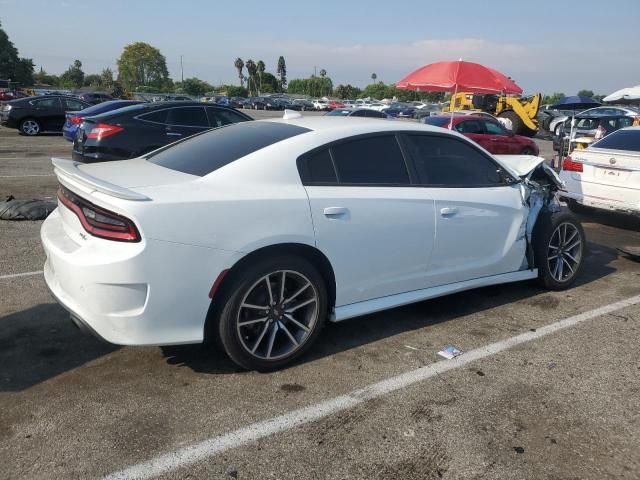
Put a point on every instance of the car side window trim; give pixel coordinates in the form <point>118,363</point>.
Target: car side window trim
<point>507,179</point>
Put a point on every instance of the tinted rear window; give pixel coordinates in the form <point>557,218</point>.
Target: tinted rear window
<point>437,121</point>
<point>621,140</point>
<point>205,153</point>
<point>130,108</point>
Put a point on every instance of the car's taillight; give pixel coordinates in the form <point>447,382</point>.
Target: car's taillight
<point>76,120</point>
<point>98,221</point>
<point>570,166</point>
<point>103,130</point>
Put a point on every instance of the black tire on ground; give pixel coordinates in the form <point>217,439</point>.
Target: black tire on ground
<point>576,207</point>
<point>519,128</point>
<point>30,127</point>
<point>558,255</point>
<point>243,287</point>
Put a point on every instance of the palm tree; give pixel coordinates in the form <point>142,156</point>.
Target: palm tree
<point>260,67</point>
<point>239,66</point>
<point>323,73</point>
<point>373,77</point>
<point>251,69</point>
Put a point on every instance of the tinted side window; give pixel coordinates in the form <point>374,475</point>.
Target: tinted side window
<point>376,114</point>
<point>159,116</point>
<point>371,160</point>
<point>188,117</point>
<point>450,162</point>
<point>73,104</point>
<point>317,167</point>
<point>46,103</point>
<point>493,128</point>
<point>359,113</point>
<point>470,126</point>
<point>219,118</point>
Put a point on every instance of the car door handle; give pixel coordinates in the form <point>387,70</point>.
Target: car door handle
<point>448,211</point>
<point>335,211</point>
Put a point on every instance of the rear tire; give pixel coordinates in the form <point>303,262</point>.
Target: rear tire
<point>264,325</point>
<point>560,247</point>
<point>30,127</point>
<point>519,128</point>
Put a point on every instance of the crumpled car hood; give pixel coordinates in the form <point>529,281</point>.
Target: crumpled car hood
<point>520,165</point>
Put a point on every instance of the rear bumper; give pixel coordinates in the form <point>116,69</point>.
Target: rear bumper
<point>69,133</point>
<point>147,293</point>
<point>603,203</point>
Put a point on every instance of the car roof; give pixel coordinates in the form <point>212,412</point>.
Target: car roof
<point>346,127</point>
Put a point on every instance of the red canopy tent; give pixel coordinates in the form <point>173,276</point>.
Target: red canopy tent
<point>457,76</point>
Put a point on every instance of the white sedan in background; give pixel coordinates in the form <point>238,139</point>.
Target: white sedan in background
<point>256,233</point>
<point>606,175</point>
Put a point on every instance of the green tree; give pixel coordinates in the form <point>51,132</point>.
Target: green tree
<point>251,81</point>
<point>373,77</point>
<point>93,80</point>
<point>282,73</point>
<point>12,67</point>
<point>586,93</point>
<point>194,86</point>
<point>74,76</point>
<point>239,64</point>
<point>260,66</point>
<point>347,91</point>
<point>43,78</point>
<point>551,99</point>
<point>270,83</point>
<point>143,65</point>
<point>235,91</point>
<point>107,77</point>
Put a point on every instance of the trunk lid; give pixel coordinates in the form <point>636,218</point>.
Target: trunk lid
<point>617,168</point>
<point>111,187</point>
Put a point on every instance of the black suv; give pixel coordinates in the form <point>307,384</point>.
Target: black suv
<point>32,115</point>
<point>138,129</point>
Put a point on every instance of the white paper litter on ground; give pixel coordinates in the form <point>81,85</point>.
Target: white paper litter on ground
<point>449,352</point>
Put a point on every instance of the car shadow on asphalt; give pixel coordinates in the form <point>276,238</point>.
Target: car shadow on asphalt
<point>40,343</point>
<point>353,333</point>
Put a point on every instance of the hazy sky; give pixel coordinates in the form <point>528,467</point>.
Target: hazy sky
<point>548,46</point>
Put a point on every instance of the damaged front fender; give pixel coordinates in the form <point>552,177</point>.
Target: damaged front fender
<point>539,185</point>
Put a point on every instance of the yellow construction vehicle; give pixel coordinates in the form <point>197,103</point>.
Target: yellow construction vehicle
<point>522,111</point>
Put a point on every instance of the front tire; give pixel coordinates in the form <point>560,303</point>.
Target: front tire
<point>559,246</point>
<point>30,127</point>
<point>273,313</point>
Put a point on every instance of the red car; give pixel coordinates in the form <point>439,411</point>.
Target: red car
<point>488,133</point>
<point>333,104</point>
<point>8,95</point>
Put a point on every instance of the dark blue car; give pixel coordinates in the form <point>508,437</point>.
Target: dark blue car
<point>400,110</point>
<point>74,119</point>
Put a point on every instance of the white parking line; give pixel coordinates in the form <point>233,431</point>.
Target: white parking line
<point>171,461</point>
<point>16,275</point>
<point>31,175</point>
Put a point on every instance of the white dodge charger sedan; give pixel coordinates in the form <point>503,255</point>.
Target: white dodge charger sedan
<point>255,234</point>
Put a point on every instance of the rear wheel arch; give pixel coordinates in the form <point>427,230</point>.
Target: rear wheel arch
<point>306,252</point>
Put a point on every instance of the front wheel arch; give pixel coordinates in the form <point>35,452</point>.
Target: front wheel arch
<point>307,252</point>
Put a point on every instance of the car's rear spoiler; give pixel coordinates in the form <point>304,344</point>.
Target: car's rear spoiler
<point>71,176</point>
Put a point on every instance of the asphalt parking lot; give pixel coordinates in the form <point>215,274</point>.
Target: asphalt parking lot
<point>547,388</point>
